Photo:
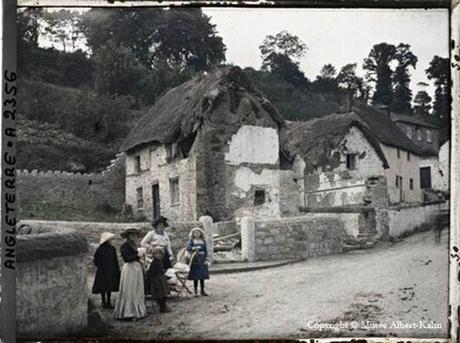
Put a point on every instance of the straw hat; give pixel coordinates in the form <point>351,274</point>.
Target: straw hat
<point>125,233</point>
<point>105,236</point>
<point>190,235</point>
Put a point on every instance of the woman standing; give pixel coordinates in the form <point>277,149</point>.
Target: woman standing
<point>199,259</point>
<point>130,301</point>
<point>107,278</point>
<point>158,237</point>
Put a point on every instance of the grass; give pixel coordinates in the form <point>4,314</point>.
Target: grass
<point>59,212</point>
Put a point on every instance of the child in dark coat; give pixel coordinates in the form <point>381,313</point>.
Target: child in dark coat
<point>107,278</point>
<point>199,259</point>
<point>157,279</point>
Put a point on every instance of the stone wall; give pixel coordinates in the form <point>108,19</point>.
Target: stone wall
<point>178,233</point>
<point>74,189</point>
<point>157,169</point>
<point>52,295</point>
<point>295,238</point>
<point>404,219</point>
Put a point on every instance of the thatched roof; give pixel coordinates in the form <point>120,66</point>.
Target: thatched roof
<point>182,110</point>
<point>314,140</point>
<point>385,129</point>
<point>416,120</point>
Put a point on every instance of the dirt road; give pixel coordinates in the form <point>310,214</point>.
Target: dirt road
<point>398,288</point>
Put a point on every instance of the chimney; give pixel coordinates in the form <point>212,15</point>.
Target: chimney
<point>383,108</point>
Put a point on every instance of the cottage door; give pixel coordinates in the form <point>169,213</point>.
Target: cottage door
<point>425,177</point>
<point>156,201</point>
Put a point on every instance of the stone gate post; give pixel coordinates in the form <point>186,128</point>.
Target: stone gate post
<point>248,239</point>
<point>208,227</point>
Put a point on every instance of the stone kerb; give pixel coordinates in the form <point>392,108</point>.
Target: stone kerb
<point>51,282</point>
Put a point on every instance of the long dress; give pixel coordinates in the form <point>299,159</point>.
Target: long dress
<point>107,277</point>
<point>198,267</point>
<point>130,300</point>
<point>157,279</point>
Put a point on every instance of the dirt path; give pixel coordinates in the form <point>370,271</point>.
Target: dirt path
<point>405,282</point>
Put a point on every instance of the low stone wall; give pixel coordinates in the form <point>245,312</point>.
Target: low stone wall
<point>52,296</point>
<point>73,189</point>
<point>408,218</point>
<point>292,238</point>
<point>178,233</point>
<point>226,228</point>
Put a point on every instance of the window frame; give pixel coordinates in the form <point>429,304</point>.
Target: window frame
<point>174,191</point>
<point>351,161</point>
<point>139,198</point>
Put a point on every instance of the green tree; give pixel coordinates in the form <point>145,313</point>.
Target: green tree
<point>439,72</point>
<point>63,27</point>
<point>377,65</point>
<point>28,25</point>
<point>180,37</point>
<point>326,80</point>
<point>422,104</point>
<point>402,94</point>
<point>278,57</point>
<point>351,83</point>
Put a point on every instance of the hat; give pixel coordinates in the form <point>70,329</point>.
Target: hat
<point>125,233</point>
<point>105,236</point>
<point>160,220</point>
<point>190,235</point>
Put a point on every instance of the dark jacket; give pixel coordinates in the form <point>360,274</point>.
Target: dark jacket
<point>108,272</point>
<point>129,252</point>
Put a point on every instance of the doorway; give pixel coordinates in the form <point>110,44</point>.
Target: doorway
<point>425,177</point>
<point>156,201</point>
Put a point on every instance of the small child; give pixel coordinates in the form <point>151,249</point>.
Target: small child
<point>199,259</point>
<point>107,278</point>
<point>156,276</point>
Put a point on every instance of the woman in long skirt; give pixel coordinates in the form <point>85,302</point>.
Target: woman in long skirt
<point>130,300</point>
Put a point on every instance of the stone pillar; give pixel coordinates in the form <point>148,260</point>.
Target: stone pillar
<point>248,239</point>
<point>208,227</point>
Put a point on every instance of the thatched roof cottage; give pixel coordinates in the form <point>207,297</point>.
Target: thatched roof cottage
<point>209,147</point>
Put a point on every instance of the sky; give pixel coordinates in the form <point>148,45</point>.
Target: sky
<point>333,36</point>
<point>336,36</point>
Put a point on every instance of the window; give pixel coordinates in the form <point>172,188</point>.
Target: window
<point>259,197</point>
<point>137,164</point>
<point>409,132</point>
<point>397,181</point>
<point>173,151</point>
<point>429,138</point>
<point>174,191</point>
<point>411,184</point>
<point>419,135</point>
<point>398,153</point>
<point>139,198</point>
<point>351,161</point>
<point>408,156</point>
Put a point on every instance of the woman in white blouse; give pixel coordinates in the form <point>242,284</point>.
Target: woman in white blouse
<point>158,237</point>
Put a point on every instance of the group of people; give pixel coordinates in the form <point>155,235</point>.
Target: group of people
<point>134,282</point>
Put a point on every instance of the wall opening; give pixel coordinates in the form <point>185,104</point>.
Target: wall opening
<point>259,197</point>
<point>174,191</point>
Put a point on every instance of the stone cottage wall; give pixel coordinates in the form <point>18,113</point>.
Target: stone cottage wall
<point>292,238</point>
<point>73,189</point>
<point>52,295</point>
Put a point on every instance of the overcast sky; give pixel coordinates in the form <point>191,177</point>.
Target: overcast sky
<point>334,36</point>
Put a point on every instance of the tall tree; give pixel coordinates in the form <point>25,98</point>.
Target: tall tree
<point>377,65</point>
<point>180,37</point>
<point>422,104</point>
<point>326,80</point>
<point>353,84</point>
<point>439,71</point>
<point>279,54</point>
<point>402,94</point>
<point>62,26</point>
<point>28,25</point>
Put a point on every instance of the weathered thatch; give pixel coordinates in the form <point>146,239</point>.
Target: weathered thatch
<point>182,110</point>
<point>417,120</point>
<point>385,129</point>
<point>314,140</point>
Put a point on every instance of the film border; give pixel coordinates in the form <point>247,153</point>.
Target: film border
<point>8,280</point>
